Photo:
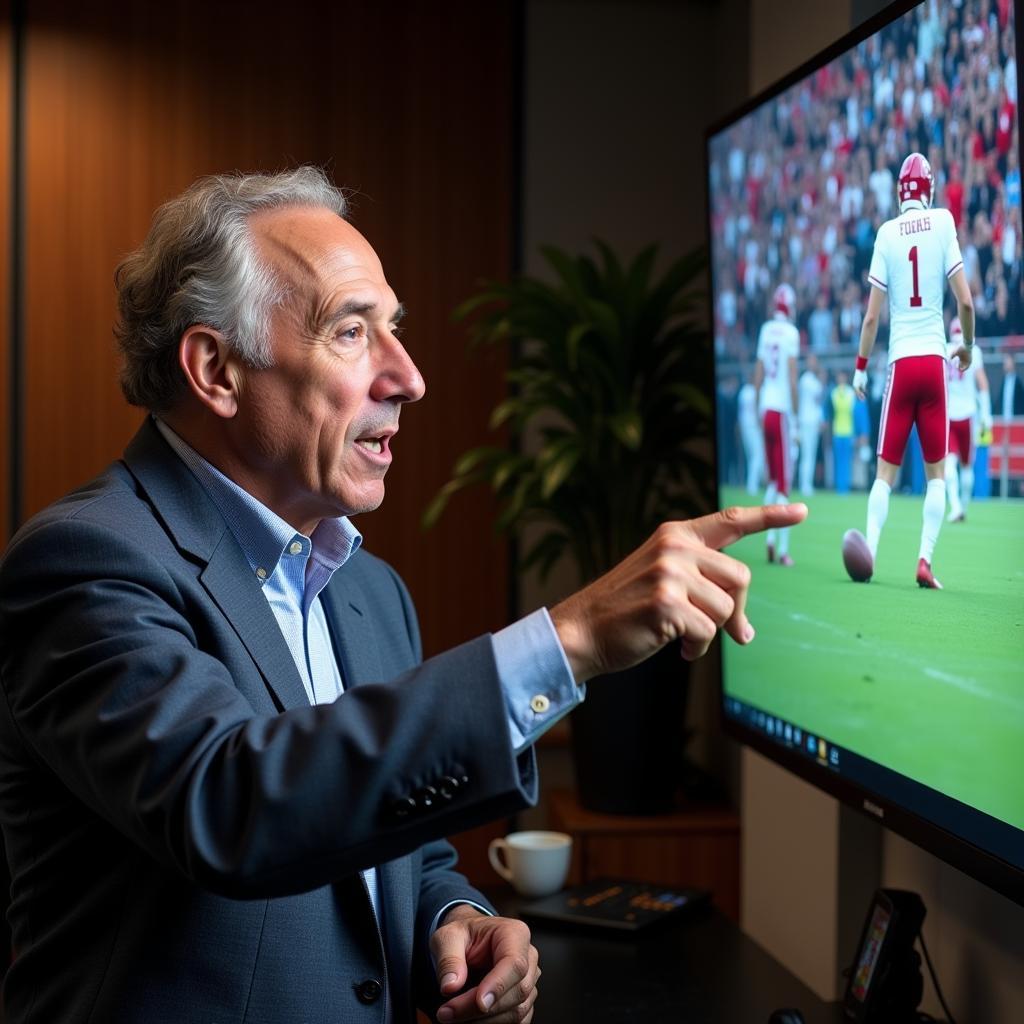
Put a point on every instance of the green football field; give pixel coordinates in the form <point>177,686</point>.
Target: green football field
<point>929,683</point>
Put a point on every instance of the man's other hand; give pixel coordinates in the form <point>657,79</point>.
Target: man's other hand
<point>675,586</point>
<point>498,947</point>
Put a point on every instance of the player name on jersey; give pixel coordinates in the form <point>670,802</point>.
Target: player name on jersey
<point>912,227</point>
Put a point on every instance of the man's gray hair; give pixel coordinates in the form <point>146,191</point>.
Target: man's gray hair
<point>199,265</point>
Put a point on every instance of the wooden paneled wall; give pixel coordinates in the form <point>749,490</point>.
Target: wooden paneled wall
<point>408,104</point>
<point>6,170</point>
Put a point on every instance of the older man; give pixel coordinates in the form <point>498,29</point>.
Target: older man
<point>226,772</point>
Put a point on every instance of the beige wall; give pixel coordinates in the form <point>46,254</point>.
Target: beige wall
<point>618,95</point>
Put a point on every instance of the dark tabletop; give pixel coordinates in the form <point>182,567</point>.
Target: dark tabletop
<point>699,970</point>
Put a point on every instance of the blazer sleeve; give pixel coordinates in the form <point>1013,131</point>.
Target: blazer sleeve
<point>112,685</point>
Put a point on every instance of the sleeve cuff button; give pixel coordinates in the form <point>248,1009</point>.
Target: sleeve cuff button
<point>540,703</point>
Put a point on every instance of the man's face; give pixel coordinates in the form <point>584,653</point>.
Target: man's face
<point>314,430</point>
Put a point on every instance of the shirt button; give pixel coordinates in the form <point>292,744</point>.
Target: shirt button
<point>540,703</point>
<point>261,573</point>
<point>294,548</point>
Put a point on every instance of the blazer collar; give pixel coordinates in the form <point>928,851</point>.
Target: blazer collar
<point>184,507</point>
<point>197,527</point>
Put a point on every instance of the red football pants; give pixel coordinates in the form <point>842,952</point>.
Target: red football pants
<point>776,449</point>
<point>915,393</point>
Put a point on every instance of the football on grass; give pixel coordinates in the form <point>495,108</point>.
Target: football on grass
<point>857,556</point>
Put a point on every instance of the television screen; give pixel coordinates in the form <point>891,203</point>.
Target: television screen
<point>889,665</point>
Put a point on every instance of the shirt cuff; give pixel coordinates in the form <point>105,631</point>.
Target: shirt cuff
<point>455,903</point>
<point>535,677</point>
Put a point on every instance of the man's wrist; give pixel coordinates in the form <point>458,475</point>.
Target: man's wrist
<point>572,637</point>
<point>460,912</point>
<point>862,362</point>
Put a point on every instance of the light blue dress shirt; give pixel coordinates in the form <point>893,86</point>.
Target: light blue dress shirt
<point>293,569</point>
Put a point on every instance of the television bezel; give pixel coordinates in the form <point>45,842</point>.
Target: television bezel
<point>983,865</point>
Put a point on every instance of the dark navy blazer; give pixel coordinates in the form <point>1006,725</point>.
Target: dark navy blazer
<point>184,830</point>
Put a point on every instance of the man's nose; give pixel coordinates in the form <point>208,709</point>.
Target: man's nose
<point>399,378</point>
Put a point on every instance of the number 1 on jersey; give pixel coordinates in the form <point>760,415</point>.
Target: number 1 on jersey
<point>915,299</point>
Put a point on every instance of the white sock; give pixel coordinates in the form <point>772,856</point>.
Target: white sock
<point>934,506</point>
<point>783,499</point>
<point>953,486</point>
<point>878,510</point>
<point>769,499</point>
<point>966,486</point>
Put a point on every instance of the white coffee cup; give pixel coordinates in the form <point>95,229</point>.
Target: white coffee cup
<point>536,863</point>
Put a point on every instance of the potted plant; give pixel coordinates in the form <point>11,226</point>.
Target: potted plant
<point>608,369</point>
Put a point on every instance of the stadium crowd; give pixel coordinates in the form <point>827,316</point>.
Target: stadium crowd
<point>800,187</point>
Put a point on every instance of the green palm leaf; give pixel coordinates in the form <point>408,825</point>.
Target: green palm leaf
<point>609,403</point>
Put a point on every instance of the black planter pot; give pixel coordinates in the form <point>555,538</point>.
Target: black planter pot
<point>629,735</point>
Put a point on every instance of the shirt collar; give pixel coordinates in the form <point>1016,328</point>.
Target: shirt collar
<point>263,535</point>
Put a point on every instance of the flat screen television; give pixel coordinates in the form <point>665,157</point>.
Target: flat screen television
<point>904,700</point>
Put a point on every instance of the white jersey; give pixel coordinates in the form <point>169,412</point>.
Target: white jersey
<point>963,385</point>
<point>778,342</point>
<point>747,407</point>
<point>915,253</point>
<point>809,392</point>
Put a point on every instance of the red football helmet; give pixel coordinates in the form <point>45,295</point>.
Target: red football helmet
<point>915,181</point>
<point>784,301</point>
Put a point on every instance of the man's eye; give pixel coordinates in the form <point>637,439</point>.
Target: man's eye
<point>351,333</point>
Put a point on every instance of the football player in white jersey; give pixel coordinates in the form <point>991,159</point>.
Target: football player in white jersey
<point>750,434</point>
<point>968,394</point>
<point>810,417</point>
<point>778,346</point>
<point>915,254</point>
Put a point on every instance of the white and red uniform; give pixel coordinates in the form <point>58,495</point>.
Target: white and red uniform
<point>777,344</point>
<point>915,254</point>
<point>963,404</point>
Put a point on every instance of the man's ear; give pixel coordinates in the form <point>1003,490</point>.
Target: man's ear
<point>211,369</point>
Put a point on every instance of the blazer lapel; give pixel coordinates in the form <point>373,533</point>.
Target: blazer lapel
<point>199,530</point>
<point>249,613</point>
<point>355,638</point>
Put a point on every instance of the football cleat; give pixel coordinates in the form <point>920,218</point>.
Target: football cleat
<point>787,561</point>
<point>771,553</point>
<point>924,576</point>
<point>915,181</point>
<point>959,517</point>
